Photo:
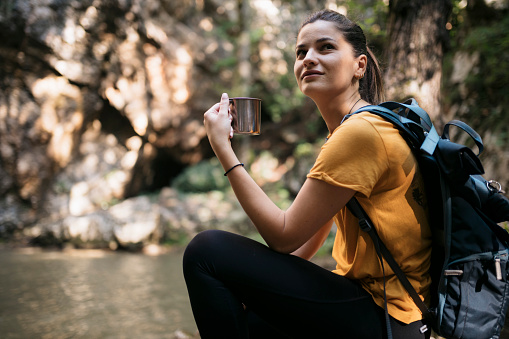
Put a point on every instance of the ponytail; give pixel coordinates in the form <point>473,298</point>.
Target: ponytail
<point>371,85</point>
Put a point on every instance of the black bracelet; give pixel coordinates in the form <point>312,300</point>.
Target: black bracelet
<point>226,173</point>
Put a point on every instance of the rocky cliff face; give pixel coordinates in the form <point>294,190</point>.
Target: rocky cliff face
<point>95,95</point>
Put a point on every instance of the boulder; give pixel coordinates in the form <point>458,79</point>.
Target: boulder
<point>138,222</point>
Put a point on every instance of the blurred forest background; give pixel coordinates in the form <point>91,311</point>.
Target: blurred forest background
<point>102,143</point>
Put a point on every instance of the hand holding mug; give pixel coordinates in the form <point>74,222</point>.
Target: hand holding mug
<point>218,122</point>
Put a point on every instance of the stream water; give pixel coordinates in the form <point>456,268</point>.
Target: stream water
<point>92,294</point>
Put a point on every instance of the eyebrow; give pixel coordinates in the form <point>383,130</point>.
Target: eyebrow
<point>317,41</point>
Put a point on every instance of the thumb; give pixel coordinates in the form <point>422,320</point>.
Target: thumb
<point>224,104</point>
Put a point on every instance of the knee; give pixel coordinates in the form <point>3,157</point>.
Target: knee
<point>202,246</point>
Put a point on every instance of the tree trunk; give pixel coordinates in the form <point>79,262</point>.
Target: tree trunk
<point>417,37</point>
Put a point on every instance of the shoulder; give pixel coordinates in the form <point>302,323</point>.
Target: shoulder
<point>355,155</point>
<point>363,128</point>
<point>357,143</point>
<point>366,119</point>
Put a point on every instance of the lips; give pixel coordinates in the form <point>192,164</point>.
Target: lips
<point>310,73</point>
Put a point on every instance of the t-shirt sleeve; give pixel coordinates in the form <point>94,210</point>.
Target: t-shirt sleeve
<point>354,157</point>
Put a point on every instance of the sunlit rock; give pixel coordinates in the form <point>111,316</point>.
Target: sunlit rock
<point>138,222</point>
<point>92,229</point>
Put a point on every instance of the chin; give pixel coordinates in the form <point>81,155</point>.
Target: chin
<point>311,91</point>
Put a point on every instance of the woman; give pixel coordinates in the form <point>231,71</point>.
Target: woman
<point>239,288</point>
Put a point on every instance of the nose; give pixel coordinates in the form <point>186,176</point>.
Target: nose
<point>310,58</point>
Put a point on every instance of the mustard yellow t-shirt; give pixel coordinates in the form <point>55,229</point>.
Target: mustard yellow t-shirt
<point>367,154</point>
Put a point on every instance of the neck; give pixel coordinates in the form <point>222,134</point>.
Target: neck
<point>333,111</point>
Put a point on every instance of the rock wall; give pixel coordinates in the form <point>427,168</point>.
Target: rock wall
<point>96,94</point>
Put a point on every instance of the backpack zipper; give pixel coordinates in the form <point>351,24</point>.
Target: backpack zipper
<point>498,267</point>
<point>449,273</point>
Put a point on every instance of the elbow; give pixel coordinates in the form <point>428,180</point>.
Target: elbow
<point>282,247</point>
<point>281,239</point>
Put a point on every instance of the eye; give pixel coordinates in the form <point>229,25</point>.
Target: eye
<point>327,47</point>
<point>300,52</point>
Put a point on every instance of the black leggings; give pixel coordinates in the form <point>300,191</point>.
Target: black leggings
<point>240,288</point>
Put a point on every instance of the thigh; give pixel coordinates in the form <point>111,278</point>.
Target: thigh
<point>293,295</point>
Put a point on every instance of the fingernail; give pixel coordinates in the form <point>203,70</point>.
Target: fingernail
<point>224,96</point>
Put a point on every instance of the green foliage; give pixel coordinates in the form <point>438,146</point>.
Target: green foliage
<point>492,42</point>
<point>371,15</point>
<point>284,101</point>
<point>205,176</point>
<point>175,236</point>
<point>223,29</point>
<point>485,88</point>
<point>256,35</point>
<point>327,246</point>
<point>457,18</point>
<point>279,195</point>
<point>225,63</point>
<point>304,150</point>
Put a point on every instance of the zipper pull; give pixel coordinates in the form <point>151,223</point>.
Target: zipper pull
<point>448,273</point>
<point>498,268</point>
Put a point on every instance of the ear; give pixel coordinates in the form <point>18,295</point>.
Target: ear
<point>362,62</point>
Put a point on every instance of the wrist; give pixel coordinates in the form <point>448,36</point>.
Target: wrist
<point>226,155</point>
<point>232,168</point>
<point>222,149</point>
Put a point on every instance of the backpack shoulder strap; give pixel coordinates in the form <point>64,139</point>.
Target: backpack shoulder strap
<point>366,225</point>
<point>414,123</point>
<point>413,111</point>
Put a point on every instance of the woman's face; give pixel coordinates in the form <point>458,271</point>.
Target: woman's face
<point>325,62</point>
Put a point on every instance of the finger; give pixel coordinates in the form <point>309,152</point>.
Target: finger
<point>215,108</point>
<point>224,104</point>
<point>212,110</point>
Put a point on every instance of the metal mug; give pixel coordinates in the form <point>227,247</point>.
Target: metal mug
<point>246,114</point>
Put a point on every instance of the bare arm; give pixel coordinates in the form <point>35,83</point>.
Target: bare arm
<point>309,249</point>
<point>284,231</point>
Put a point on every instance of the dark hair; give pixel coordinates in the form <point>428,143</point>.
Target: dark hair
<point>370,85</point>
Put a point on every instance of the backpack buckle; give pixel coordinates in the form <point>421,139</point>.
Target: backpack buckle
<point>364,225</point>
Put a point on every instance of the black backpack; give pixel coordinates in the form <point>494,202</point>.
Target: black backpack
<point>469,260</point>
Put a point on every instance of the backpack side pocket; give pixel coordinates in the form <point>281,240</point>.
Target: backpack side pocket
<point>475,296</point>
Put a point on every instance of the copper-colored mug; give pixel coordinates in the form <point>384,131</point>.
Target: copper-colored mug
<point>246,114</point>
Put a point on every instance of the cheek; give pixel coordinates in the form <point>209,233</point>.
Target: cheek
<point>297,71</point>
